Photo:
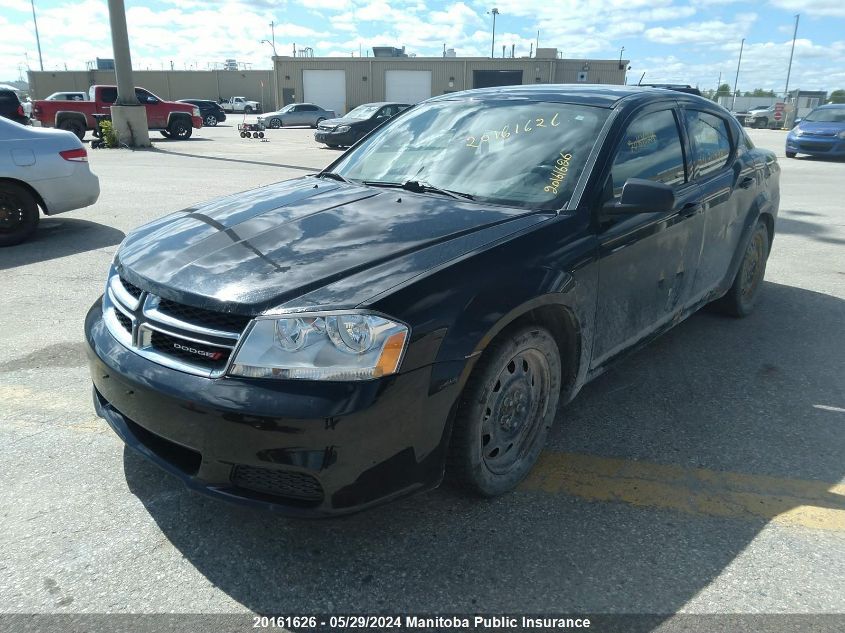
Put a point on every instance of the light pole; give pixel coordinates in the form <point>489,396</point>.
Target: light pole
<point>736,79</point>
<point>273,37</point>
<point>275,78</point>
<point>621,50</point>
<point>271,44</point>
<point>37,38</point>
<point>791,53</point>
<point>494,12</point>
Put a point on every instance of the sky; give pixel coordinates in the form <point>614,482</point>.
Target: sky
<point>686,41</point>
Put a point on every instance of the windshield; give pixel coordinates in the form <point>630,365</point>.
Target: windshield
<point>362,112</point>
<point>286,108</point>
<point>827,115</point>
<point>526,153</point>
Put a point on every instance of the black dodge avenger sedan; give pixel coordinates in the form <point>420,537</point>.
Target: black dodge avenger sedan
<point>357,123</point>
<point>424,305</point>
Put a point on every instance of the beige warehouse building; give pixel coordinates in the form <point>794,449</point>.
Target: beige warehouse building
<point>342,83</point>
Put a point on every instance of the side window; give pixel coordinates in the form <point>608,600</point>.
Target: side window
<point>711,141</point>
<point>385,112</point>
<point>650,149</point>
<point>144,96</point>
<point>309,108</point>
<point>108,95</point>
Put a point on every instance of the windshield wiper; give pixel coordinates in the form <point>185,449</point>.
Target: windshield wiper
<point>334,176</point>
<point>420,187</point>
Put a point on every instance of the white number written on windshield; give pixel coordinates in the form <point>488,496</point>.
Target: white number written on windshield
<point>521,127</point>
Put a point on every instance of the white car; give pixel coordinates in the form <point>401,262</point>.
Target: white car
<point>44,168</point>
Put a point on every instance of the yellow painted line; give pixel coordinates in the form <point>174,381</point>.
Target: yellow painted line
<point>698,491</point>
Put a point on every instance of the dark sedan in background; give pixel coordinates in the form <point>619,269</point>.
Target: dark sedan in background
<point>357,123</point>
<point>11,107</point>
<point>210,111</point>
<point>424,304</point>
<point>820,133</point>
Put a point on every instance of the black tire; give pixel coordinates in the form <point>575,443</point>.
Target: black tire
<point>243,134</point>
<point>260,134</point>
<point>73,125</point>
<point>761,123</point>
<point>165,133</point>
<point>745,290</point>
<point>505,412</point>
<point>275,123</point>
<point>248,110</point>
<point>320,120</point>
<point>210,121</point>
<point>180,129</point>
<point>790,154</point>
<point>18,214</point>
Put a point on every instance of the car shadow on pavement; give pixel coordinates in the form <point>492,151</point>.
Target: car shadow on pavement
<point>819,231</point>
<point>716,393</point>
<point>59,237</point>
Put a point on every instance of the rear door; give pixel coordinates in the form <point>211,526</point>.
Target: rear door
<point>647,261</point>
<point>725,172</point>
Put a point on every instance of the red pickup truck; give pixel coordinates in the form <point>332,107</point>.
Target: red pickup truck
<point>173,119</point>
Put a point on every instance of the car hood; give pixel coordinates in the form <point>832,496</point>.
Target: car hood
<point>257,250</point>
<point>341,121</point>
<point>812,127</point>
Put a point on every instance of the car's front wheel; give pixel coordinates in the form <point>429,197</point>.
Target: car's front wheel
<point>18,214</point>
<point>790,154</point>
<point>248,110</point>
<point>180,129</point>
<point>275,124</point>
<point>761,123</point>
<point>505,412</point>
<point>745,290</point>
<point>320,120</point>
<point>210,121</point>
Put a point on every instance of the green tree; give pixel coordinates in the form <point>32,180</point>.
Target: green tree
<point>759,92</point>
<point>837,96</point>
<point>724,91</point>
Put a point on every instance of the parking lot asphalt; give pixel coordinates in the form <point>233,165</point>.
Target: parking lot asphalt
<point>703,474</point>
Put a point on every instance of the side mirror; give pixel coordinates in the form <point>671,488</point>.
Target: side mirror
<point>641,196</point>
<point>796,122</point>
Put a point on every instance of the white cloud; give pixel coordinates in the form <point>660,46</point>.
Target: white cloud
<point>709,32</point>
<point>831,8</point>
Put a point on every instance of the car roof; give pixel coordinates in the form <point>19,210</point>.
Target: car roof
<point>601,95</point>
<point>382,103</point>
<point>831,106</point>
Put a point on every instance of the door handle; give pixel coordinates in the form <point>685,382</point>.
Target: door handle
<point>746,182</point>
<point>690,209</point>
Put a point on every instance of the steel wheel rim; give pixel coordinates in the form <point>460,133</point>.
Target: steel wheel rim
<point>211,120</point>
<point>275,123</point>
<point>752,267</point>
<point>11,212</point>
<point>513,408</point>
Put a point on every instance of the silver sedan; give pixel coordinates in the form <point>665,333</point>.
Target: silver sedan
<point>296,114</point>
<point>44,168</point>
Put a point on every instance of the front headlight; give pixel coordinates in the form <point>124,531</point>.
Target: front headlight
<point>798,132</point>
<point>343,128</point>
<point>196,111</point>
<point>321,346</point>
<point>841,134</point>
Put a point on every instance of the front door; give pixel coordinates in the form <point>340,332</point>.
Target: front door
<point>647,261</point>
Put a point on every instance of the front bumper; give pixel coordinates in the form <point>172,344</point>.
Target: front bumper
<point>302,448</point>
<point>196,121</point>
<point>815,145</point>
<point>335,138</point>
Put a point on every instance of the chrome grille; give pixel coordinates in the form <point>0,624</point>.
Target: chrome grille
<point>193,340</point>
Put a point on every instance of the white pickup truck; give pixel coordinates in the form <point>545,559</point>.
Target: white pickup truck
<point>240,104</point>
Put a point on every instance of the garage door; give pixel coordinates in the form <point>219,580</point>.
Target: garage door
<point>325,88</point>
<point>407,86</point>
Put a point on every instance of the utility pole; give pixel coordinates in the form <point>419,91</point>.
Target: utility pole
<point>494,12</point>
<point>791,53</point>
<point>621,50</point>
<point>736,79</point>
<point>37,38</point>
<point>273,36</point>
<point>129,118</point>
